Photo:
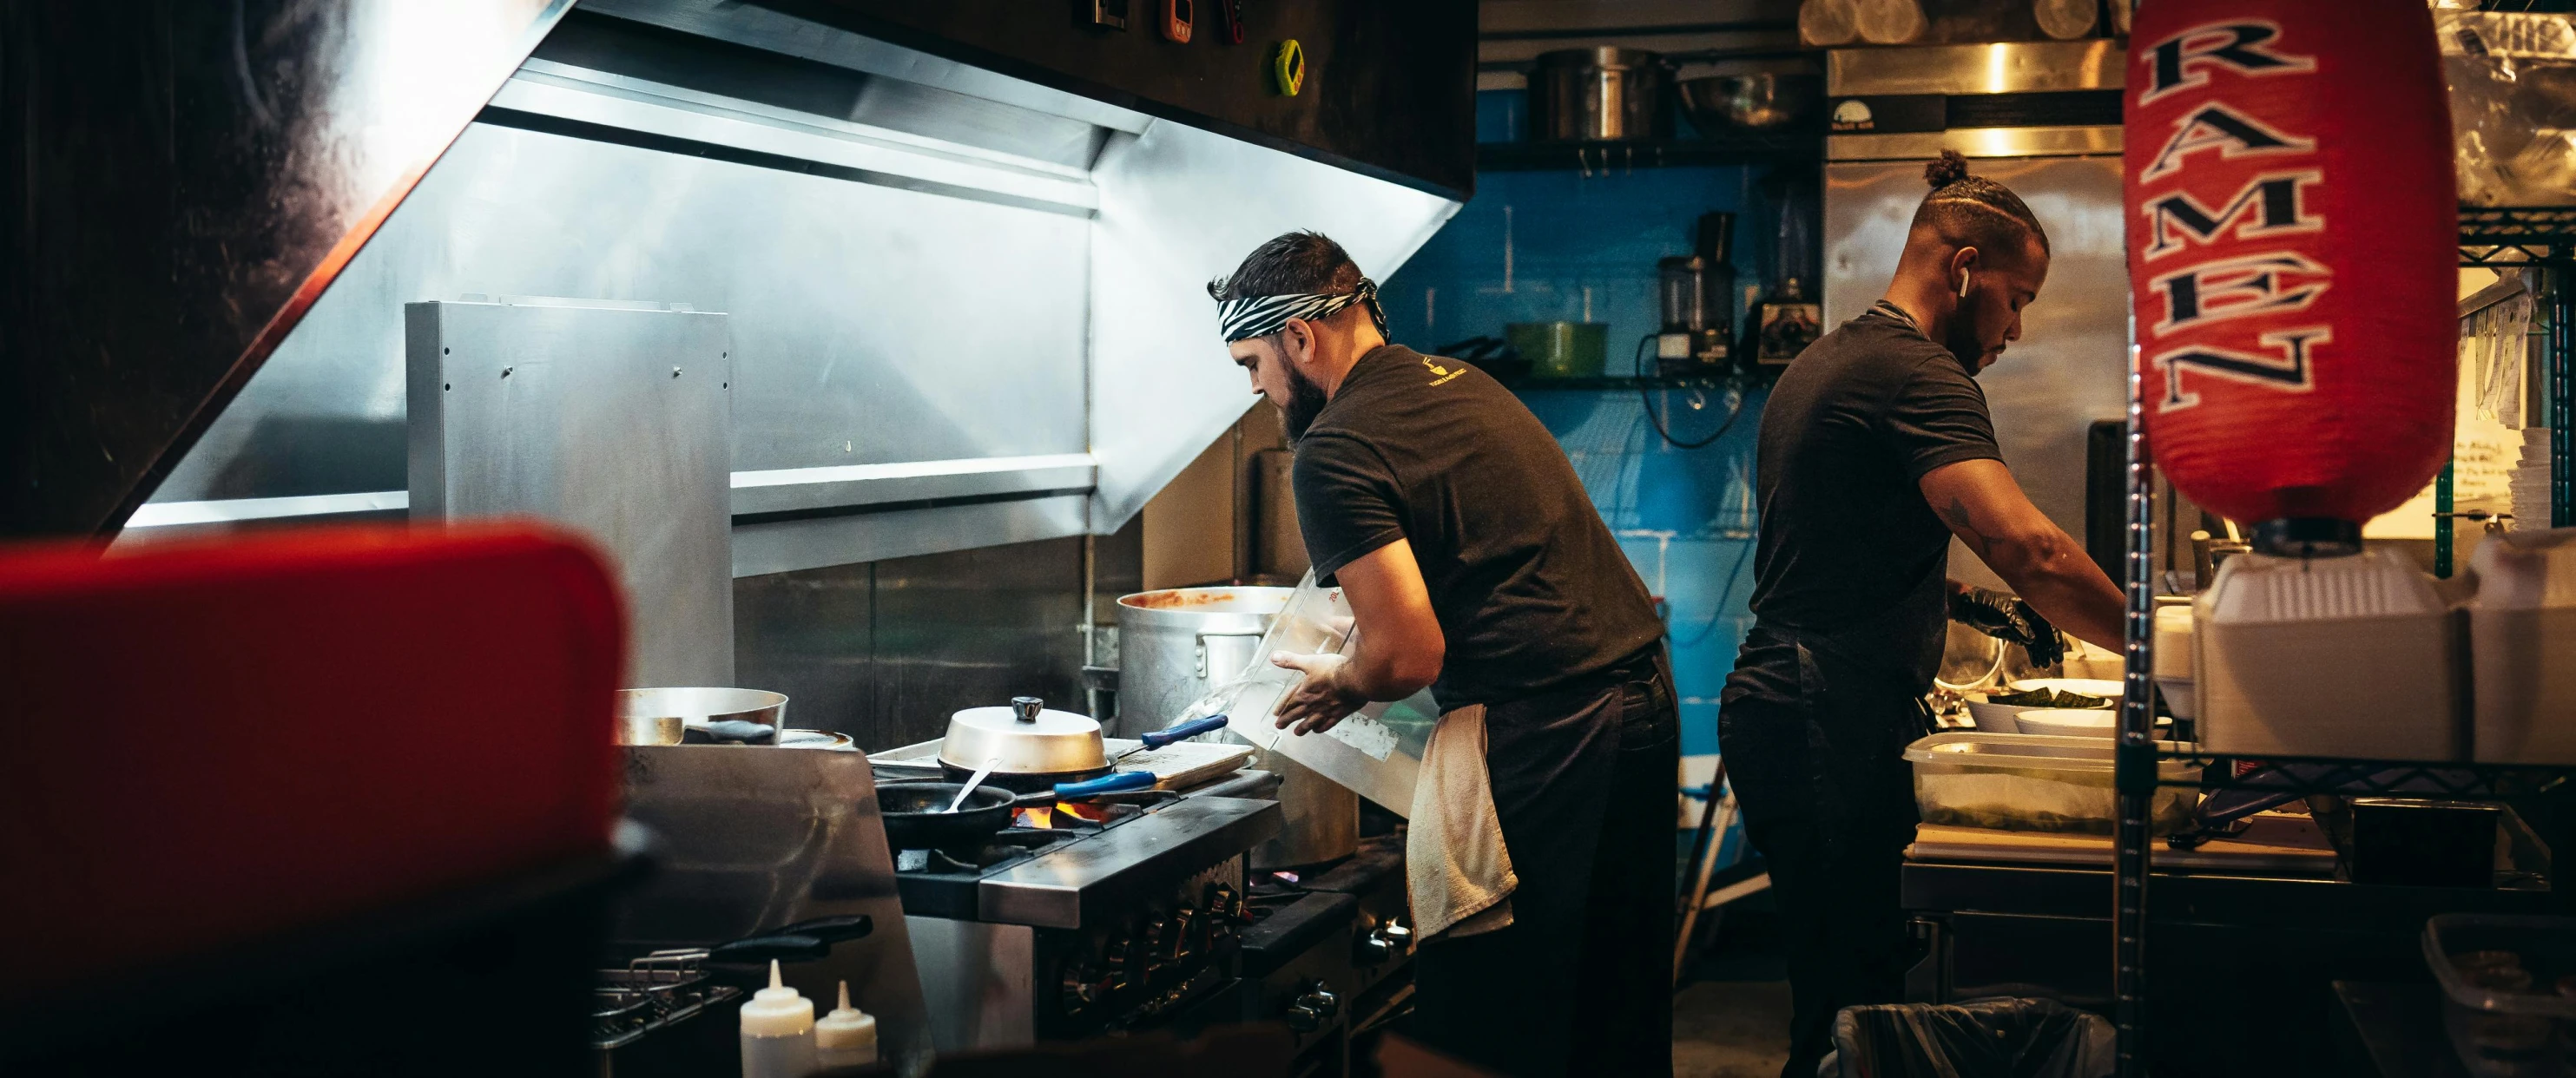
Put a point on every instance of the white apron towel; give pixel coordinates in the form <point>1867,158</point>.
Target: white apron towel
<point>1456,868</point>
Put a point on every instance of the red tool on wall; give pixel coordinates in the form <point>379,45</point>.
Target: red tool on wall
<point>1231,13</point>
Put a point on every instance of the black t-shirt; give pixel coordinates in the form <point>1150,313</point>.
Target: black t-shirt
<point>1850,554</point>
<point>1529,586</point>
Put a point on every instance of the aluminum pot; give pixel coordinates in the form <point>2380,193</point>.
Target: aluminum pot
<point>1723,104</point>
<point>1175,646</point>
<point>1027,745</point>
<point>662,716</point>
<point>1604,93</point>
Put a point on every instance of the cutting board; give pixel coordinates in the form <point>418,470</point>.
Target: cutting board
<point>1177,766</point>
<point>1935,842</point>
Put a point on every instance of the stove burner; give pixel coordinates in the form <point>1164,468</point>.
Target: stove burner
<point>942,883</point>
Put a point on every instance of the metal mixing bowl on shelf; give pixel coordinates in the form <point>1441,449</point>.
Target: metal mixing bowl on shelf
<point>1765,101</point>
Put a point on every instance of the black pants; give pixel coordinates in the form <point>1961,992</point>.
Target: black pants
<point>1820,773</point>
<point>1581,982</point>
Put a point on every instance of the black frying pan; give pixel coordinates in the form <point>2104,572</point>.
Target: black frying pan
<point>916,816</point>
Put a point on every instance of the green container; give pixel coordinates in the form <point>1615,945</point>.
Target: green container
<point>1561,349</point>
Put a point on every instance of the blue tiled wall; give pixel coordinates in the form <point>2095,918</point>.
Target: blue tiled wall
<point>1547,245</point>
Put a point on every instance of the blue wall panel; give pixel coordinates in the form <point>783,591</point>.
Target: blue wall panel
<point>1548,245</point>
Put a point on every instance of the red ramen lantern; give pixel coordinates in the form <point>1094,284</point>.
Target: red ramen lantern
<point>2293,233</point>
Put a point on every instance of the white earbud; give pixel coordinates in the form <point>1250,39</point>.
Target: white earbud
<point>1964,279</point>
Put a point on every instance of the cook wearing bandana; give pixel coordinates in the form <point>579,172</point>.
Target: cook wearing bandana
<point>1475,564</point>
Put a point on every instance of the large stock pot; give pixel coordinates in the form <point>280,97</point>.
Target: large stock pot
<point>1178,644</point>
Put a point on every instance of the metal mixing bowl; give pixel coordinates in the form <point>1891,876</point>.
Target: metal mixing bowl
<point>1770,101</point>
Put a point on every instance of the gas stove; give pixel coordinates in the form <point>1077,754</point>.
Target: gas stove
<point>1069,927</point>
<point>1070,872</point>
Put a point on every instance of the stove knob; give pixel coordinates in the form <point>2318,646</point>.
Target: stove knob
<point>1386,941</point>
<point>1155,942</point>
<point>1322,1000</point>
<point>1183,942</point>
<point>1122,969</point>
<point>1302,1018</point>
<point>1081,987</point>
<point>1224,902</point>
<point>1312,1006</point>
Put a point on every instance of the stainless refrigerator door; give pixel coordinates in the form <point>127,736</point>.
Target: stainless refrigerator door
<point>2067,369</point>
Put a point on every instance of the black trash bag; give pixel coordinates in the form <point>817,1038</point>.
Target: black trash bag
<point>1987,1038</point>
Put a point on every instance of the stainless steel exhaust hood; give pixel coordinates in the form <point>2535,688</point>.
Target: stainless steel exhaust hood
<point>183,180</point>
<point>966,308</point>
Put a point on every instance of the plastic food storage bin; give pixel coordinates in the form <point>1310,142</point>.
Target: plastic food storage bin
<point>2033,782</point>
<point>2507,984</point>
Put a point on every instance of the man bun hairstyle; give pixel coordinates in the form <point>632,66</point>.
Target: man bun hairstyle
<point>1973,211</point>
<point>1291,264</point>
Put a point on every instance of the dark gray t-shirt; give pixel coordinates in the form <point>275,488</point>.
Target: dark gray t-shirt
<point>1530,587</point>
<point>1849,551</point>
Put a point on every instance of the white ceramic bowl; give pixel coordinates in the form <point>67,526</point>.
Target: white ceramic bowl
<point>2068,721</point>
<point>1999,718</point>
<point>2075,722</point>
<point>1994,718</point>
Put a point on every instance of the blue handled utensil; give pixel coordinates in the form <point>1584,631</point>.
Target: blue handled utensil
<point>1105,784</point>
<point>1158,738</point>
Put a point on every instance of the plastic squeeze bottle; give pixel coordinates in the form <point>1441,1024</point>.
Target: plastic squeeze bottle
<point>845,1039</point>
<point>777,1032</point>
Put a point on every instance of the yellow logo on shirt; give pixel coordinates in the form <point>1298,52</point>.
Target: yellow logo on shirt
<point>1441,375</point>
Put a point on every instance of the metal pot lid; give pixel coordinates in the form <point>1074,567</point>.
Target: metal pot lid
<point>1023,739</point>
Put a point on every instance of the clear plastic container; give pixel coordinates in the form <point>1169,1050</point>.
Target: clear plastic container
<point>2509,985</point>
<point>2522,645</point>
<point>2031,782</point>
<point>1375,752</point>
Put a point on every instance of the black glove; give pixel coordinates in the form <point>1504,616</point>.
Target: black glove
<point>2006,617</point>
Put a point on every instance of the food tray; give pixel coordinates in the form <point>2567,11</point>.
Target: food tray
<point>2509,991</point>
<point>2031,782</point>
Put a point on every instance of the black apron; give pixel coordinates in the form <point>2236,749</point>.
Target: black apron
<point>1580,982</point>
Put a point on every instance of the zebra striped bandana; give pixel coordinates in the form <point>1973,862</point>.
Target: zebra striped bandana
<point>1261,316</point>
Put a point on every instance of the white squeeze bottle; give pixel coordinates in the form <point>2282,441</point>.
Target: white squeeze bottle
<point>777,1032</point>
<point>845,1039</point>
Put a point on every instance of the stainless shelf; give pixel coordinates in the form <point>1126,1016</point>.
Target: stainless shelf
<point>1610,158</point>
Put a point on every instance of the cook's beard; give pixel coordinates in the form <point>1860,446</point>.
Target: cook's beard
<point>1305,402</point>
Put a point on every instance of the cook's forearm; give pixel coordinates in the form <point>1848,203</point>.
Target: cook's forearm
<point>2058,579</point>
<point>1392,671</point>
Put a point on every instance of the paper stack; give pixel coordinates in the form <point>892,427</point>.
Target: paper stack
<point>2531,480</point>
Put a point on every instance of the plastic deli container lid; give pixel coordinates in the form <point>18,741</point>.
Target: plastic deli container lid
<point>1979,748</point>
<point>2527,570</point>
<point>2450,938</point>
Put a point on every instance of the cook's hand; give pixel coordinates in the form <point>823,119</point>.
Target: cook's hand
<point>1319,701</point>
<point>2007,618</point>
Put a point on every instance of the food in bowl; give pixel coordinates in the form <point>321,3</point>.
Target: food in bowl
<point>2045,698</point>
<point>1993,710</point>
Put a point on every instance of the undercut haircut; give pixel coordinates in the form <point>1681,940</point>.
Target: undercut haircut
<point>1294,263</point>
<point>1973,211</point>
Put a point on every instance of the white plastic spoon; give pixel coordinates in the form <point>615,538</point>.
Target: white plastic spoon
<point>978,780</point>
